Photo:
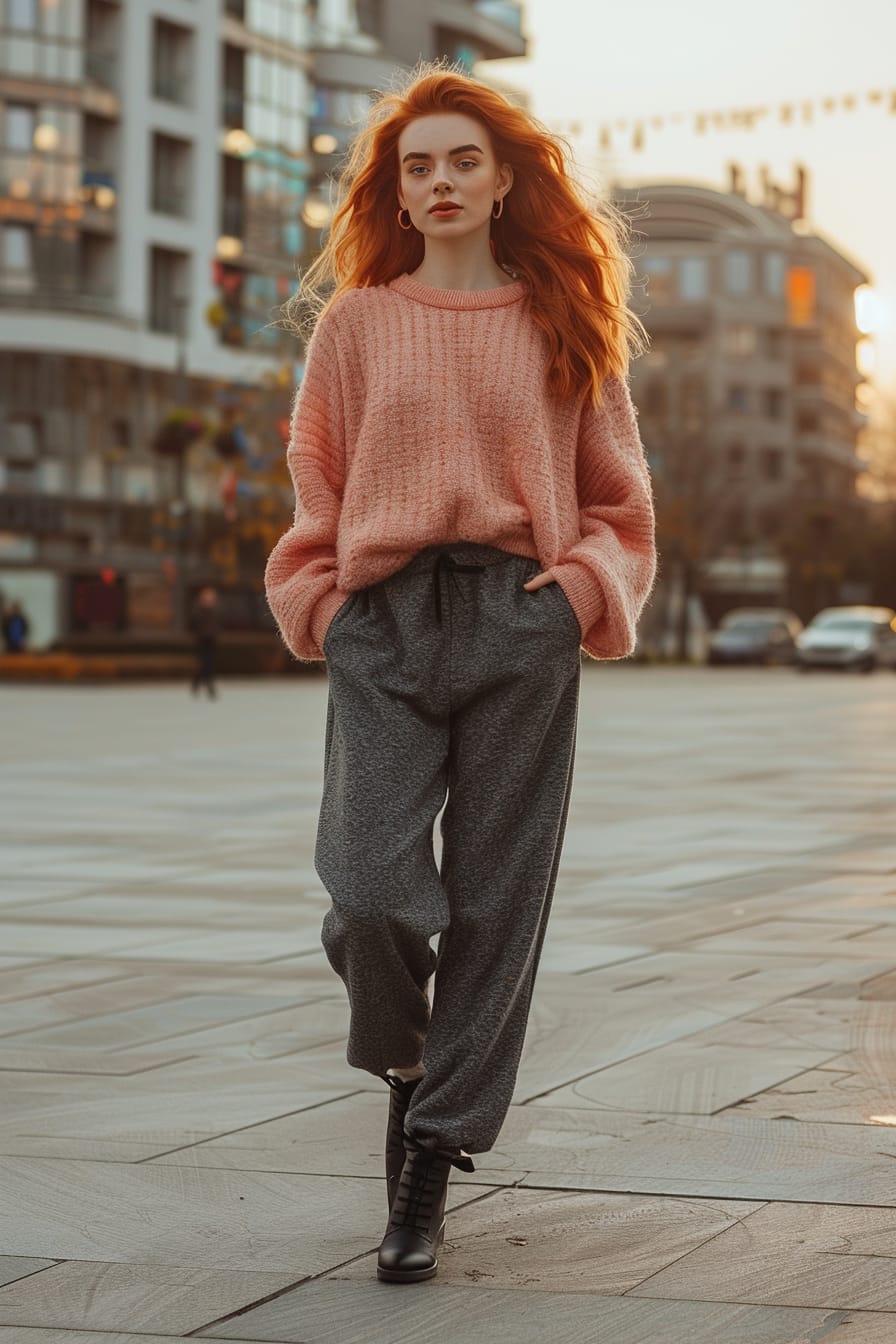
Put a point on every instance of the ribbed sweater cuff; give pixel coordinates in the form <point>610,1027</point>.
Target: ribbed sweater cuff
<point>323,612</point>
<point>582,590</point>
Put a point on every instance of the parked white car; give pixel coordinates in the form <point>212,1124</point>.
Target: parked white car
<point>862,638</point>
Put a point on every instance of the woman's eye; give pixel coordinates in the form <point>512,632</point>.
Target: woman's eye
<point>418,170</point>
<point>467,163</point>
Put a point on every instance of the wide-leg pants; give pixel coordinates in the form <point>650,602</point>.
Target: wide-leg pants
<point>448,678</point>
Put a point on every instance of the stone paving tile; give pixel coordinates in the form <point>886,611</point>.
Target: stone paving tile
<point>568,1241</point>
<point>151,1023</point>
<point>26,979</point>
<point>165,1299</point>
<point>849,1090</point>
<point>792,1255</point>
<point>340,1138</point>
<point>168,1107</point>
<point>710,1156</point>
<point>332,1310</point>
<point>699,1075</point>
<point>832,940</point>
<point>14,1267</point>
<point>17,1334</point>
<point>23,1060</point>
<point>279,1031</point>
<point>119,1213</point>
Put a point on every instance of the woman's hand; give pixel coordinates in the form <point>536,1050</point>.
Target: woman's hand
<point>539,581</point>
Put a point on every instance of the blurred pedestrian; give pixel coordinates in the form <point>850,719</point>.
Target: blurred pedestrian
<point>465,429</point>
<point>15,628</point>
<point>204,623</point>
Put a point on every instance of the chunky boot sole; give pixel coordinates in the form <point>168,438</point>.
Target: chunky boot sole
<point>413,1275</point>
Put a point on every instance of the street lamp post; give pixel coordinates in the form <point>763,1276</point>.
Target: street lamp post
<point>178,506</point>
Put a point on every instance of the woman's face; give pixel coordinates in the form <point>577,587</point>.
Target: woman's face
<point>448,178</point>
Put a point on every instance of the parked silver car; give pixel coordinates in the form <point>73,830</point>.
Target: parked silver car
<point>862,638</point>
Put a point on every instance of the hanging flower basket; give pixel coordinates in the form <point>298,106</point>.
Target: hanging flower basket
<point>176,432</point>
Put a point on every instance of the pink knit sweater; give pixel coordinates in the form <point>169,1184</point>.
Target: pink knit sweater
<point>423,417</point>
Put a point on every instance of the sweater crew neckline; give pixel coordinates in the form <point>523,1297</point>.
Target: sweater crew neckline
<point>499,297</point>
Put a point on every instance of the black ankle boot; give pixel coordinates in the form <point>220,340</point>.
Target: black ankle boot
<point>416,1224</point>
<point>400,1093</point>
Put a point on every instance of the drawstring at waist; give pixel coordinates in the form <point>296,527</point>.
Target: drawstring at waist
<point>446,561</point>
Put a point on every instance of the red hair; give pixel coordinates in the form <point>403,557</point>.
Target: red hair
<point>570,253</point>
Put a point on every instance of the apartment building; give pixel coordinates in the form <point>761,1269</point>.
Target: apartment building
<point>164,167</point>
<point>748,396</point>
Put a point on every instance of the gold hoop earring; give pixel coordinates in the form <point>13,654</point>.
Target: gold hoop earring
<point>500,204</point>
<point>401,223</point>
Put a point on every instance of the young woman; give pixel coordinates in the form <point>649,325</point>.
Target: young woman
<point>473,507</point>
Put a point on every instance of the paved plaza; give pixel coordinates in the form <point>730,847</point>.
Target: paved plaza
<point>702,1145</point>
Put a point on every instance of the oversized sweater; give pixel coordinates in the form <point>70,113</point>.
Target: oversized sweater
<point>424,417</point>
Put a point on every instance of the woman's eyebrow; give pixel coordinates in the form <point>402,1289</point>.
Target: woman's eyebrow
<point>461,149</point>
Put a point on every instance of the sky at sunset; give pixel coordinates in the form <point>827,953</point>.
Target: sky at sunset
<point>591,62</point>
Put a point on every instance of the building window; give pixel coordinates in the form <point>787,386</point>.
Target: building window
<point>738,272</point>
<point>23,438</point>
<point>17,247</point>
<point>18,126</point>
<point>169,280</point>
<point>773,403</point>
<point>171,159</point>
<point>737,458</point>
<point>739,340</point>
<point>659,278</point>
<point>691,402</point>
<point>16,259</point>
<point>693,278</point>
<point>807,422</point>
<point>172,62</point>
<point>772,464</point>
<point>739,399</point>
<point>370,17</point>
<point>775,271</point>
<point>21,477</point>
<point>774,343</point>
<point>22,15</point>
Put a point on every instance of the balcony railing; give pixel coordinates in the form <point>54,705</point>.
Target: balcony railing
<point>51,299</point>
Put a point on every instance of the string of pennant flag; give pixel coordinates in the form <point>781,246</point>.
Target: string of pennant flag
<point>794,111</point>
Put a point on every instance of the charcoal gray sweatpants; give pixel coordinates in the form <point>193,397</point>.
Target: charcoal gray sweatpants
<point>446,678</point>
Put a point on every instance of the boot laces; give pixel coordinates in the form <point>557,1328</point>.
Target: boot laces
<point>421,1179</point>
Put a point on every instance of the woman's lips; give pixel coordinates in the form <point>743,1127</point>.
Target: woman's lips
<point>445,210</point>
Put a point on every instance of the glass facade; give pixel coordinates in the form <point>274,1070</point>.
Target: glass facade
<point>42,41</point>
<point>265,182</point>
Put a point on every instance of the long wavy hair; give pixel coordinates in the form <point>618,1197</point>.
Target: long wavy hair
<point>571,253</point>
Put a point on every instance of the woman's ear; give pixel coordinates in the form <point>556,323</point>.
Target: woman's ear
<point>503,181</point>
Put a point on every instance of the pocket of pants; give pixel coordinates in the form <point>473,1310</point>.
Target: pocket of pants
<point>338,618</point>
<point>569,610</point>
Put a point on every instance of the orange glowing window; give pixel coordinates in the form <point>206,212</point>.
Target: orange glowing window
<point>800,296</point>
